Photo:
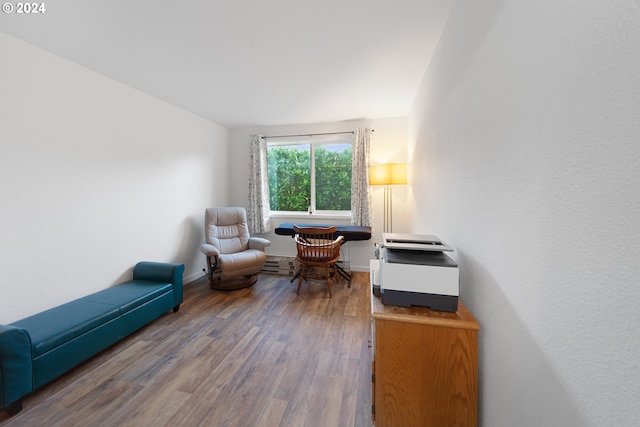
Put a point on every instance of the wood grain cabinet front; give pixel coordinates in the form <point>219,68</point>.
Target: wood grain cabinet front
<point>425,367</point>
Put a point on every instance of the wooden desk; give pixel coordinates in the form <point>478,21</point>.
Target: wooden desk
<point>424,366</point>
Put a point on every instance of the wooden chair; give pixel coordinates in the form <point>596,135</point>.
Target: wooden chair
<point>317,247</point>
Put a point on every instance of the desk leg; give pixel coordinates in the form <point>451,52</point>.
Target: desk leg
<point>343,273</point>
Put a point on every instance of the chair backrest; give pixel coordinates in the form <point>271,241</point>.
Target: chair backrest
<point>317,245</point>
<point>226,229</point>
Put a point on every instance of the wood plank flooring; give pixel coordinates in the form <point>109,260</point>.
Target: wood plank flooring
<point>260,356</point>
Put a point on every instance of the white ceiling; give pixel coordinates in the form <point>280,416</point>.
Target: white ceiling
<point>250,62</point>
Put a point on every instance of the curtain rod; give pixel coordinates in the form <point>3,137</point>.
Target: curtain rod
<point>309,134</point>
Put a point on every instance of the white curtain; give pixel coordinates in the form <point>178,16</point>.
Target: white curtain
<point>258,214</point>
<point>360,194</point>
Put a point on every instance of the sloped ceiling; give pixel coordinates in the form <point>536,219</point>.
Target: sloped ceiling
<point>250,62</point>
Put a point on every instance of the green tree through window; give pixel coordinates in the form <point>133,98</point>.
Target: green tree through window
<point>294,169</point>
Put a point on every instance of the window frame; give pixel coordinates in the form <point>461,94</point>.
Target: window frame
<point>334,140</point>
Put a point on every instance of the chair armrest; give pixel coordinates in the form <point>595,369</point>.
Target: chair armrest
<point>16,366</point>
<point>258,243</point>
<point>209,250</point>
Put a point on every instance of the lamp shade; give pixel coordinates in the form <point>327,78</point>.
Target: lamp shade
<point>388,174</point>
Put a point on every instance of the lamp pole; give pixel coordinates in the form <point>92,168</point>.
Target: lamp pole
<point>388,209</point>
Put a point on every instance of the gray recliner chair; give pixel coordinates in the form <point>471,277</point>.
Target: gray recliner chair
<point>234,258</point>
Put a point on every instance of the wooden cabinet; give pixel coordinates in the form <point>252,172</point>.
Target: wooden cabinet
<point>425,366</point>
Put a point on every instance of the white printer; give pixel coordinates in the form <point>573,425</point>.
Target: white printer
<point>415,271</point>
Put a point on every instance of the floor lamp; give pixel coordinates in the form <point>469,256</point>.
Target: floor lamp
<point>388,174</point>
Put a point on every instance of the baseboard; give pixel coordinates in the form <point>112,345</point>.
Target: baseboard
<point>193,277</point>
<point>360,268</point>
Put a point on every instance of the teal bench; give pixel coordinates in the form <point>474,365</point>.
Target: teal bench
<point>40,348</point>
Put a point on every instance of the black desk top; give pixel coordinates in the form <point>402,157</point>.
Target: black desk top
<point>350,232</point>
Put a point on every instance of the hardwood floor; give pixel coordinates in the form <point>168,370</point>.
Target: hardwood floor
<point>260,356</point>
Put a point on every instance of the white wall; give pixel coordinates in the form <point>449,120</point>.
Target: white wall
<point>525,154</point>
<point>388,144</point>
<point>95,176</point>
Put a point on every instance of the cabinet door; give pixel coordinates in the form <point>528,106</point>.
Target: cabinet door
<point>373,269</point>
<point>426,375</point>
<point>373,391</point>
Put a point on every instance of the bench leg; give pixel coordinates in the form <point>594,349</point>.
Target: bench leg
<point>176,308</point>
<point>14,408</point>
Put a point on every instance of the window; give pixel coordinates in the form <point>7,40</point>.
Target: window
<point>310,177</point>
